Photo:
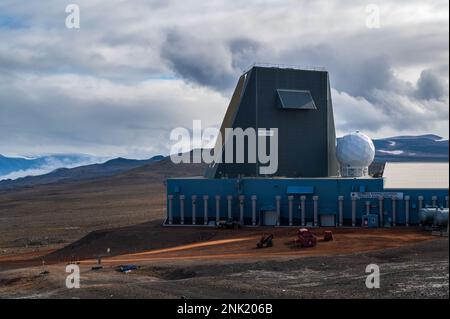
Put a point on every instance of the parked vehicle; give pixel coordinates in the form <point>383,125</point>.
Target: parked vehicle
<point>328,235</point>
<point>265,242</point>
<point>305,238</point>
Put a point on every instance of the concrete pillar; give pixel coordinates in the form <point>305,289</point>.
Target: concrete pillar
<point>241,209</point>
<point>278,203</point>
<point>182,197</point>
<point>316,210</point>
<point>194,209</point>
<point>170,212</point>
<point>394,211</point>
<point>354,199</point>
<point>446,201</point>
<point>229,199</point>
<point>303,209</point>
<point>434,201</point>
<point>381,211</point>
<point>205,209</point>
<point>254,210</point>
<point>217,208</point>
<point>407,201</point>
<point>341,210</point>
<point>290,199</point>
<point>367,207</point>
<point>421,199</point>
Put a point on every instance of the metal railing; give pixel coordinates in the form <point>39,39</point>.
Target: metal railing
<point>285,66</point>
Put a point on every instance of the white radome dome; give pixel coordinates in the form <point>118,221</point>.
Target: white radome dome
<point>355,152</point>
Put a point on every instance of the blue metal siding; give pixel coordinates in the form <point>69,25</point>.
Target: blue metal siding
<point>296,190</point>
<point>328,190</point>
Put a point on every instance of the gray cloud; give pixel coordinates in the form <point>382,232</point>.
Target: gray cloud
<point>135,70</point>
<point>213,62</point>
<point>203,61</point>
<point>431,86</point>
<point>78,112</point>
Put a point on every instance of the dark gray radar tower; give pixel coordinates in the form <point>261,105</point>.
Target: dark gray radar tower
<point>295,101</point>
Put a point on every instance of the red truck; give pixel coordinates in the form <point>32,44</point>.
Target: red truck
<point>305,238</point>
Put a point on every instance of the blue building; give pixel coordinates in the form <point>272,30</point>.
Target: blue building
<point>306,190</point>
<point>300,201</point>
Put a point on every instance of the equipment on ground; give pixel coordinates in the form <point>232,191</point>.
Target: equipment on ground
<point>369,221</point>
<point>126,268</point>
<point>305,238</point>
<point>328,235</point>
<point>265,242</point>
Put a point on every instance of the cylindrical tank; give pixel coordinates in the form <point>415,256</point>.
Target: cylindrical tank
<point>434,216</point>
<point>355,152</point>
<point>441,217</point>
<point>426,216</point>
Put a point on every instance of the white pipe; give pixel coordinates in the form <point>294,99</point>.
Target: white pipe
<point>182,197</point>
<point>354,199</point>
<point>394,211</point>
<point>170,198</point>
<point>290,199</point>
<point>194,209</point>
<point>434,201</point>
<point>303,209</point>
<point>241,209</point>
<point>217,208</point>
<point>421,199</point>
<point>367,207</point>
<point>316,210</point>
<point>278,199</point>
<point>407,200</point>
<point>254,210</point>
<point>381,210</point>
<point>205,209</point>
<point>341,210</point>
<point>229,199</point>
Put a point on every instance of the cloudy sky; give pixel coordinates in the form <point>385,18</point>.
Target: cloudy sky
<point>135,70</point>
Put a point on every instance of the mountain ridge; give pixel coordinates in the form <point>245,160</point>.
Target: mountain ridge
<point>84,172</point>
<point>424,148</point>
<point>10,164</point>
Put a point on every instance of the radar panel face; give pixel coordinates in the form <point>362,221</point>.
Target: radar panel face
<point>296,99</point>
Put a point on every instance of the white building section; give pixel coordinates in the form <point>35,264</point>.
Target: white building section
<point>416,176</point>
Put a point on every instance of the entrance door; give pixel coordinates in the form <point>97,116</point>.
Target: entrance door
<point>327,221</point>
<point>270,218</point>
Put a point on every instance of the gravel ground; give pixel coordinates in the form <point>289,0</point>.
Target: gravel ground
<point>417,270</point>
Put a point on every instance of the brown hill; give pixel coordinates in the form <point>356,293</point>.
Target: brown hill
<point>55,214</point>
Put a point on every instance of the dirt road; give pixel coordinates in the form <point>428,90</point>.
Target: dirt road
<point>417,270</point>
